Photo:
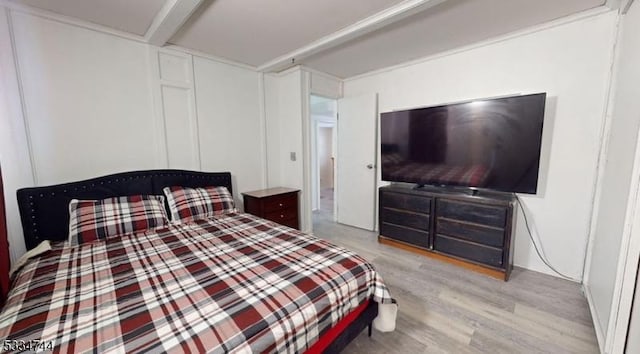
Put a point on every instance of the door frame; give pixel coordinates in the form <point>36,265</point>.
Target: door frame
<point>316,123</point>
<point>309,135</point>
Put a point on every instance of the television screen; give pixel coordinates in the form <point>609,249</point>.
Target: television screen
<point>491,144</point>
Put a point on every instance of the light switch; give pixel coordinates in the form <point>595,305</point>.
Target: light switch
<point>292,156</point>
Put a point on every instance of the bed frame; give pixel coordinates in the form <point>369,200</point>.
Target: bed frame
<point>45,215</point>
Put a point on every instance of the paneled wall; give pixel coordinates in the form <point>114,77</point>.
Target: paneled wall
<point>174,89</point>
<point>230,124</point>
<point>571,63</point>
<point>618,188</point>
<point>95,104</point>
<point>14,146</point>
<point>87,103</point>
<point>288,130</point>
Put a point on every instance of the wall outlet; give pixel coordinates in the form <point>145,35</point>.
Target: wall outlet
<point>292,156</point>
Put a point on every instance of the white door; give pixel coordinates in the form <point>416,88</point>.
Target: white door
<point>356,182</point>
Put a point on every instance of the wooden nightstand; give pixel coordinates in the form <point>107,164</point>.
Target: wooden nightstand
<point>278,204</point>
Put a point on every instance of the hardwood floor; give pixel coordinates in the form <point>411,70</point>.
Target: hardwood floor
<point>446,309</point>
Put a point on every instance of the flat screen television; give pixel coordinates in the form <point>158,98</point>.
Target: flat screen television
<point>486,144</point>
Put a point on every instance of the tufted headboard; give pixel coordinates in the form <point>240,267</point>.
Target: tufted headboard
<point>45,210</point>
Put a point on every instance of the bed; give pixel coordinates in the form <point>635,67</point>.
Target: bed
<point>228,283</point>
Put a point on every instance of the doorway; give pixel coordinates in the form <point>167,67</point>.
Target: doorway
<point>323,113</point>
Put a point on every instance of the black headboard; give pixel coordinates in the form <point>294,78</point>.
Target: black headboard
<point>45,210</point>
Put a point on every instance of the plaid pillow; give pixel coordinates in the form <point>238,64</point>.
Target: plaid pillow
<point>91,220</point>
<point>186,204</point>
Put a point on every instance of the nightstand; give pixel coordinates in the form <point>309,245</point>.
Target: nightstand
<point>277,204</point>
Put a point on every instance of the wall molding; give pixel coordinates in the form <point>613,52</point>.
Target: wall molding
<point>594,317</point>
<point>23,104</point>
<point>262,107</point>
<point>187,85</point>
<point>162,157</point>
<point>604,148</point>
<point>627,269</point>
<point>200,54</point>
<point>305,88</point>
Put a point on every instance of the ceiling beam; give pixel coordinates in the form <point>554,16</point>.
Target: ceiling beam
<point>360,28</point>
<point>612,4</point>
<point>169,19</point>
<point>619,5</point>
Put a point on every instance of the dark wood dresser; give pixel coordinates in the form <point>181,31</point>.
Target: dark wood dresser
<point>277,204</point>
<point>471,230</point>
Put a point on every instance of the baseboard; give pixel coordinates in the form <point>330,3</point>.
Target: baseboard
<point>594,317</point>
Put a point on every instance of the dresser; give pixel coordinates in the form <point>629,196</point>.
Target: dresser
<point>279,204</point>
<point>470,230</point>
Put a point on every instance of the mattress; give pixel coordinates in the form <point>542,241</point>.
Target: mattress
<point>232,283</point>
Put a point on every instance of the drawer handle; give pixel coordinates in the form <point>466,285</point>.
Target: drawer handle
<point>281,216</point>
<point>279,204</point>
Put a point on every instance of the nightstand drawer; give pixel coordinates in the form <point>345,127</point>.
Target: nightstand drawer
<point>292,223</point>
<point>281,202</point>
<point>281,215</point>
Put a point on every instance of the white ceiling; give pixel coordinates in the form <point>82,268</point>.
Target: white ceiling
<point>132,16</point>
<point>256,32</point>
<point>450,25</point>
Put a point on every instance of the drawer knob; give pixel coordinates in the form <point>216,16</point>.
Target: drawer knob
<point>281,216</point>
<point>279,204</point>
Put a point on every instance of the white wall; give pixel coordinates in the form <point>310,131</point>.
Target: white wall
<point>229,123</point>
<point>571,63</point>
<point>283,103</point>
<point>173,87</point>
<point>88,105</point>
<point>617,191</point>
<point>93,106</point>
<point>284,127</point>
<point>14,149</point>
<point>288,130</point>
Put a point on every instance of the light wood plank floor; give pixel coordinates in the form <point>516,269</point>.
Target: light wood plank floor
<point>446,309</point>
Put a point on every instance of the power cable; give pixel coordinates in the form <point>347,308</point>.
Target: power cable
<point>540,251</point>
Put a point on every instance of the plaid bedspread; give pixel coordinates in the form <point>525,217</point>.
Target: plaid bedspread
<point>233,283</point>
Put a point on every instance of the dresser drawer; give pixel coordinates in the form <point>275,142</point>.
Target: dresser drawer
<point>481,254</point>
<point>412,236</point>
<point>481,214</point>
<point>472,232</point>
<point>415,203</point>
<point>280,202</point>
<point>405,218</point>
